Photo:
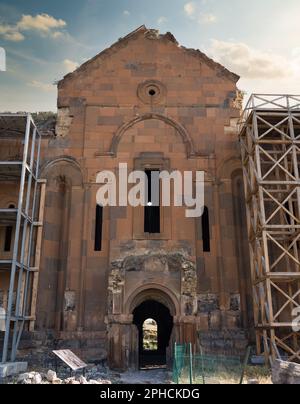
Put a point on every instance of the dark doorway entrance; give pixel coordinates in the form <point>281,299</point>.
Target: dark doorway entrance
<point>154,323</point>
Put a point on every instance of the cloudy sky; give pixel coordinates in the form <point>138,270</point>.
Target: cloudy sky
<point>45,39</point>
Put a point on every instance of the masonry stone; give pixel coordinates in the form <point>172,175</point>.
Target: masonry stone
<point>151,103</point>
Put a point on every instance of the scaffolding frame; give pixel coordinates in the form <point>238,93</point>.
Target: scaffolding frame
<point>27,218</point>
<point>270,147</point>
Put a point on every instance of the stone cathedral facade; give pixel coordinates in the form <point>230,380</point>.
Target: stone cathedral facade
<point>155,105</point>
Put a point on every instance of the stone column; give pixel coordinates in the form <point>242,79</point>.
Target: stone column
<point>220,269</point>
<point>122,342</point>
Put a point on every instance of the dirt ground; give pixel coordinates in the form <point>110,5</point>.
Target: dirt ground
<point>253,375</point>
<point>159,376</point>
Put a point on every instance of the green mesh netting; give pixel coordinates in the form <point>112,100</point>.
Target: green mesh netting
<point>189,368</point>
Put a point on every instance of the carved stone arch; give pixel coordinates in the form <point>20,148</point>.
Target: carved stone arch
<point>7,201</point>
<point>155,292</point>
<point>190,148</point>
<point>228,166</point>
<point>64,167</point>
<point>62,221</point>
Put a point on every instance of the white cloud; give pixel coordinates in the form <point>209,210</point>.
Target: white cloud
<point>126,12</point>
<point>11,33</point>
<point>208,18</point>
<point>248,62</point>
<point>162,20</point>
<point>190,9</point>
<point>43,24</point>
<point>193,11</point>
<point>40,22</point>
<point>57,34</point>
<point>69,65</point>
<point>46,87</point>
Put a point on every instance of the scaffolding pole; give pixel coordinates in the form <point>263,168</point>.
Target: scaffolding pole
<point>270,146</point>
<point>27,217</point>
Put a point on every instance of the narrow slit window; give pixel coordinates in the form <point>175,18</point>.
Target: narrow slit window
<point>152,212</point>
<point>98,228</point>
<point>8,234</point>
<point>8,238</point>
<point>206,230</point>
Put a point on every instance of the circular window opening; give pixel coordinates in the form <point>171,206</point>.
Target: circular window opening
<point>151,92</point>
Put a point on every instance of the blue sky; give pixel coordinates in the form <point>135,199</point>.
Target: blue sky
<point>45,39</point>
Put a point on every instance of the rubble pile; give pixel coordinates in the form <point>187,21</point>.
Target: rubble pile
<point>51,378</point>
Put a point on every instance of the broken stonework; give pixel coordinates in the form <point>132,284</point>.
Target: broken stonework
<point>189,287</point>
<point>159,262</point>
<point>51,378</point>
<point>237,101</point>
<point>51,375</point>
<point>37,379</point>
<point>133,263</point>
<point>189,279</point>
<point>208,303</point>
<point>116,279</point>
<point>235,302</point>
<point>70,300</point>
<point>30,378</point>
<point>64,121</point>
<point>285,373</point>
<point>152,260</point>
<point>83,380</point>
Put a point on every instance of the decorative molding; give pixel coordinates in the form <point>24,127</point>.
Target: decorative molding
<point>190,148</point>
<point>152,92</point>
<point>67,160</point>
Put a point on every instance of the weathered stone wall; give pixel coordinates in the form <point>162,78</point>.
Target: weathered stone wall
<point>36,347</point>
<point>106,116</point>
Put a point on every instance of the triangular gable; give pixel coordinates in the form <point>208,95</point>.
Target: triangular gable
<point>153,34</point>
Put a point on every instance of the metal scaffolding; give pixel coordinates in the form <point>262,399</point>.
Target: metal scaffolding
<point>270,144</point>
<point>20,169</point>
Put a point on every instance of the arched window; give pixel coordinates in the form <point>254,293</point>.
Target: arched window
<point>98,228</point>
<point>8,235</point>
<point>150,330</point>
<point>206,230</point>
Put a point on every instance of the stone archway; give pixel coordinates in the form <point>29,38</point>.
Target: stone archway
<point>164,308</point>
<point>128,290</point>
<point>125,333</point>
<point>156,356</point>
<point>155,292</point>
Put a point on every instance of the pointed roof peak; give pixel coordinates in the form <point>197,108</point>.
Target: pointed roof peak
<point>154,34</point>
